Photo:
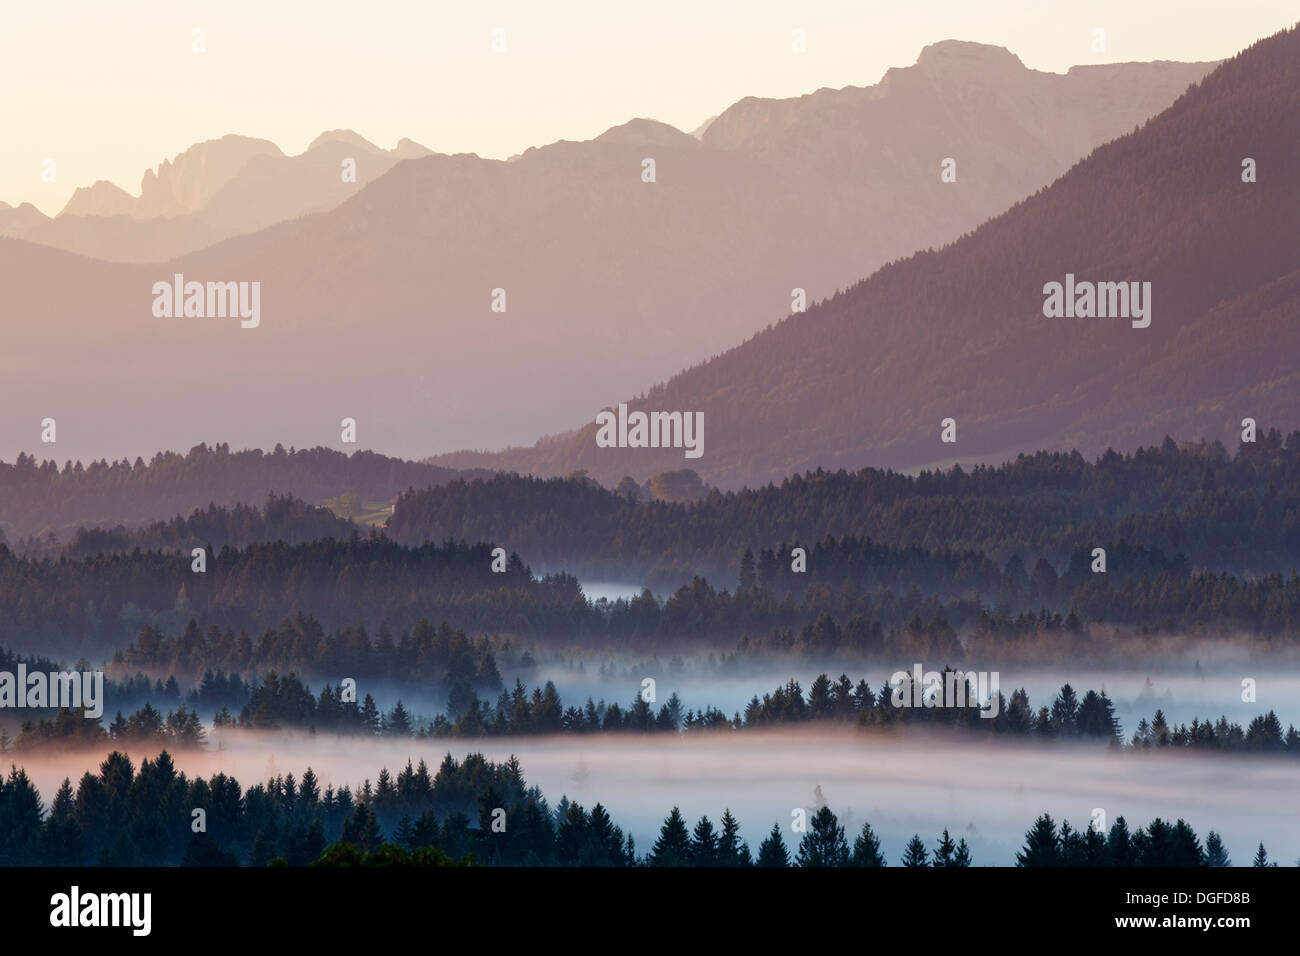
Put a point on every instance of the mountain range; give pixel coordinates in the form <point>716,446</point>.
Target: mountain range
<point>212,191</point>
<point>1201,203</point>
<point>380,308</point>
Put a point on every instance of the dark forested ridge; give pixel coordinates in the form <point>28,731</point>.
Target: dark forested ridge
<point>867,376</point>
<point>1002,559</point>
<point>1235,512</point>
<point>280,518</point>
<point>37,497</point>
<point>81,605</point>
<point>91,606</point>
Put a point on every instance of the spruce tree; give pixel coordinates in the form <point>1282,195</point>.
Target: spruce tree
<point>748,573</point>
<point>1155,845</point>
<point>1065,712</point>
<point>1261,857</point>
<point>1185,849</point>
<point>962,857</point>
<point>1074,850</point>
<point>362,830</point>
<point>1119,845</point>
<point>731,851</point>
<point>570,834</point>
<point>398,722</point>
<point>604,841</point>
<point>772,851</point>
<point>915,855</point>
<point>1041,845</point>
<point>1095,851</point>
<point>673,848</point>
<point>704,844</point>
<point>370,718</point>
<point>1215,853</point>
<point>824,843</point>
<point>404,834</point>
<point>866,849</point>
<point>946,851</point>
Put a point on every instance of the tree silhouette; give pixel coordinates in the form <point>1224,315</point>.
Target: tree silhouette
<point>824,844</point>
<point>915,855</point>
<point>772,851</point>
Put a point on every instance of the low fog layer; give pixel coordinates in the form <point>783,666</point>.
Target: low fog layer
<point>1177,688</point>
<point>988,794</point>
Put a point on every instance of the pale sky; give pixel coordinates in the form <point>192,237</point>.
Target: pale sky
<point>110,89</point>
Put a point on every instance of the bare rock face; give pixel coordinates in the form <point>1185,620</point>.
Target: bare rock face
<point>188,183</point>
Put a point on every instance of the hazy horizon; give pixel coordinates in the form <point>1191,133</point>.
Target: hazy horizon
<point>265,73</point>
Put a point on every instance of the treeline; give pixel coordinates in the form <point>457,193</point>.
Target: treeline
<point>824,843</point>
<point>857,565</point>
<point>1197,504</point>
<point>105,600</point>
<point>692,616</point>
<point>590,839</point>
<point>40,497</point>
<point>122,816</point>
<point>51,722</point>
<point>273,703</point>
<point>84,604</point>
<point>281,518</point>
<point>518,712</point>
<point>842,595</point>
<point>92,604</point>
<point>287,702</point>
<point>468,811</point>
<point>128,692</point>
<point>1238,513</point>
<point>437,659</point>
<point>72,729</point>
<point>1160,844</point>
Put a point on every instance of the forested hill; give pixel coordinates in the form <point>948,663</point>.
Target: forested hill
<point>867,377</point>
<point>281,518</point>
<point>1198,541</point>
<point>1236,512</point>
<point>75,606</point>
<point>39,497</point>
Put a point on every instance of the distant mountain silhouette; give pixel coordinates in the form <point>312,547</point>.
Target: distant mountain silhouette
<point>101,199</point>
<point>15,220</point>
<point>212,191</point>
<point>379,309</point>
<point>866,377</point>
